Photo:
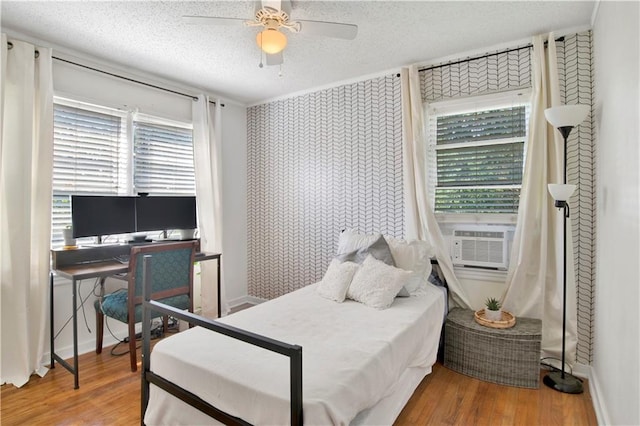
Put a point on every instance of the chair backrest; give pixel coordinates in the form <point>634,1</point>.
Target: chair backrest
<point>171,270</point>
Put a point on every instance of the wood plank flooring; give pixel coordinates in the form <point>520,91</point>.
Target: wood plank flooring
<point>109,394</point>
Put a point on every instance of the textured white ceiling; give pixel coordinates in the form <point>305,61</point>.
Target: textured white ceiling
<point>151,37</point>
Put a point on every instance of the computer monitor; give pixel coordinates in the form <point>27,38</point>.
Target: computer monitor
<point>160,213</point>
<point>94,215</point>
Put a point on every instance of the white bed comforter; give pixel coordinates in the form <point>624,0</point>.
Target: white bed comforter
<point>352,356</point>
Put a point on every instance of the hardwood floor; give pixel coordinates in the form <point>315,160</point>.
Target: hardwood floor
<point>449,398</point>
<point>109,394</point>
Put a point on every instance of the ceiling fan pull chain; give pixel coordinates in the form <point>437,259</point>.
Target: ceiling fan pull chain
<point>260,65</point>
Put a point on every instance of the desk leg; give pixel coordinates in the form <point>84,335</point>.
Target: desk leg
<point>219,295</point>
<point>51,336</point>
<point>75,334</point>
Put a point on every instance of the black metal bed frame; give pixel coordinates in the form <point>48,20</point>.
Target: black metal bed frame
<point>293,352</point>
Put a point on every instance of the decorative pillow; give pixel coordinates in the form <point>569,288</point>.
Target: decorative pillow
<point>336,280</point>
<point>376,284</point>
<point>412,256</point>
<point>378,249</point>
<point>351,240</point>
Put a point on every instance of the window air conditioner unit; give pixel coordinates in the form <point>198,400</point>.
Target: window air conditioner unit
<point>480,248</point>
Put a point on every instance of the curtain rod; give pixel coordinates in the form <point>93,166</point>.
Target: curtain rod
<point>488,55</point>
<point>10,46</point>
<point>195,98</point>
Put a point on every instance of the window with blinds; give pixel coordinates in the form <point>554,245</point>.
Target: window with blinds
<point>479,159</point>
<point>89,158</point>
<point>95,155</point>
<point>163,160</point>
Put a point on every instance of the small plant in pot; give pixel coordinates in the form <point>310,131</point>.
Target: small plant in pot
<point>493,311</point>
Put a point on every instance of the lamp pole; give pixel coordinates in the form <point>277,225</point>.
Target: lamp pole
<point>565,130</point>
<point>564,118</point>
<point>564,382</point>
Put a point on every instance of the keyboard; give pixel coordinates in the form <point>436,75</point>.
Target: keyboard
<point>122,258</point>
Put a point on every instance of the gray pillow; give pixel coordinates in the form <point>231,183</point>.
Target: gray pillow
<point>379,250</point>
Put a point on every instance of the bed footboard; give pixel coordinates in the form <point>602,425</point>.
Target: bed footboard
<point>293,352</point>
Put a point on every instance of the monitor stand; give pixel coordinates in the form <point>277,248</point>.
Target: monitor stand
<point>139,239</point>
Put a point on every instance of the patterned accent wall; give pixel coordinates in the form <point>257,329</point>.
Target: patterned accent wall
<point>511,71</point>
<point>319,163</point>
<point>574,67</point>
<point>496,73</point>
<point>332,159</point>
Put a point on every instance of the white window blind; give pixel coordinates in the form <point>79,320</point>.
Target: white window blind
<point>96,154</point>
<point>89,157</point>
<point>163,159</point>
<point>478,158</point>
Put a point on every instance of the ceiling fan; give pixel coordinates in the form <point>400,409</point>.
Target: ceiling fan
<point>272,16</point>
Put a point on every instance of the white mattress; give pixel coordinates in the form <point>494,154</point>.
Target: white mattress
<point>352,358</point>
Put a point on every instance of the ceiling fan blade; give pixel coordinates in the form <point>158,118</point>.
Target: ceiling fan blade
<point>329,29</point>
<point>275,59</point>
<point>285,6</point>
<point>211,20</point>
<point>274,4</point>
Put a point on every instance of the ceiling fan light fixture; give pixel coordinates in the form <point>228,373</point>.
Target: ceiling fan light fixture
<point>271,41</point>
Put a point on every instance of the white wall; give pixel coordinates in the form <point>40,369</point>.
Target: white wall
<point>234,197</point>
<point>89,86</point>
<point>616,355</point>
<point>80,84</point>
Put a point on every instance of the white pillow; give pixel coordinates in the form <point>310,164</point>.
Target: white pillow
<point>415,256</point>
<point>351,240</point>
<point>410,255</point>
<point>376,284</point>
<point>336,280</point>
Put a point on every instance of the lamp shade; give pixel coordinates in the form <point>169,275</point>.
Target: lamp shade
<point>561,192</point>
<point>271,41</point>
<point>566,115</point>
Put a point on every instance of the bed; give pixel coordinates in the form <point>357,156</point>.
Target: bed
<point>361,364</point>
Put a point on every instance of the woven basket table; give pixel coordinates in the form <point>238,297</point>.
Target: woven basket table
<point>509,356</point>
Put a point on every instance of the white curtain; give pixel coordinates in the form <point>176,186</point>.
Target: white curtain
<point>26,161</point>
<point>419,217</point>
<point>207,153</point>
<point>534,280</point>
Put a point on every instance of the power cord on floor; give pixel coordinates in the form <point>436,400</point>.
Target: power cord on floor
<point>551,367</point>
<point>156,333</point>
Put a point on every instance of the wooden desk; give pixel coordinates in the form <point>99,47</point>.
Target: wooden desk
<point>85,263</point>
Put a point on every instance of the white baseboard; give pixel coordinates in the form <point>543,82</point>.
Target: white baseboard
<point>586,372</point>
<point>597,398</point>
<point>83,348</point>
<point>245,299</point>
<point>87,346</point>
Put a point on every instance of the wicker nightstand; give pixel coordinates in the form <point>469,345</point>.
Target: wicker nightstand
<point>505,356</point>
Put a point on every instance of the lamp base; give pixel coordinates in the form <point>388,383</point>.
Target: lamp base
<point>566,384</point>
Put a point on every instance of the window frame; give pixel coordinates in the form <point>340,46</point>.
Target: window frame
<point>521,97</point>
<point>126,181</point>
<point>149,120</point>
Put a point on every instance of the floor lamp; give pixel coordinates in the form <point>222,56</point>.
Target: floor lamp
<point>564,118</point>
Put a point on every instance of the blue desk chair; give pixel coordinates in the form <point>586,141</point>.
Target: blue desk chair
<point>171,283</point>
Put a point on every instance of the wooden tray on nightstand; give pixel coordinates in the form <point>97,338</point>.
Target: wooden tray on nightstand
<point>508,320</point>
